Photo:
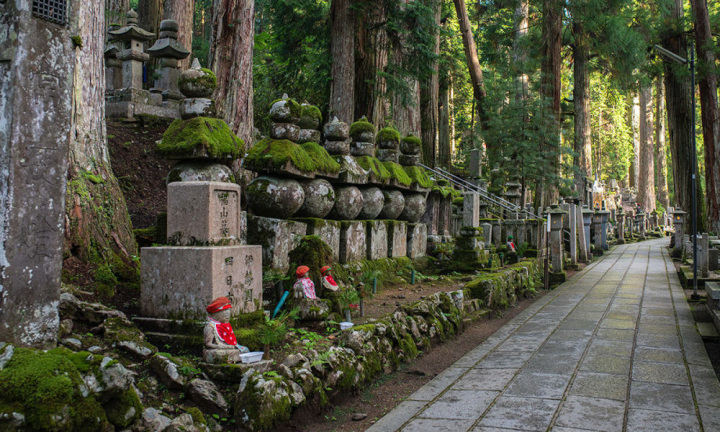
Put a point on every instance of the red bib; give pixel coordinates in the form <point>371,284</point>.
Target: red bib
<point>225,332</point>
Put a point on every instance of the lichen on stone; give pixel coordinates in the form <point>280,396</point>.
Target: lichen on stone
<point>200,137</point>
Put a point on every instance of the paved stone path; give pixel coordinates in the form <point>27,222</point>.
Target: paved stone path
<point>613,349</point>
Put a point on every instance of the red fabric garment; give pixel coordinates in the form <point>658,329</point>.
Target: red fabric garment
<point>307,286</point>
<point>225,332</point>
<point>330,280</point>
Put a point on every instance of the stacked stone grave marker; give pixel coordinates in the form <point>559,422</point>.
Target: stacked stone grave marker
<point>207,256</point>
<point>169,52</point>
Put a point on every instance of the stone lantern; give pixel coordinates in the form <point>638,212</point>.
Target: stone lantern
<point>169,52</point>
<point>113,66</point>
<point>556,238</point>
<point>640,221</point>
<point>679,217</point>
<point>620,217</point>
<point>132,52</point>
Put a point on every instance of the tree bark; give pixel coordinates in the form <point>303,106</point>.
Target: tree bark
<point>231,60</point>
<point>181,11</point>
<point>519,51</point>
<point>429,103</point>
<point>710,114</point>
<point>150,13</point>
<point>444,157</point>
<point>405,107</point>
<point>115,11</point>
<point>646,179</point>
<point>97,225</point>
<point>635,127</point>
<point>342,50</point>
<point>371,57</point>
<point>550,87</point>
<point>473,62</point>
<point>581,96</point>
<point>660,159</point>
<point>678,98</point>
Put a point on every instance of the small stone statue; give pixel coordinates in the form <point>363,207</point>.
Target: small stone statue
<point>328,282</point>
<point>221,347</point>
<point>310,307</point>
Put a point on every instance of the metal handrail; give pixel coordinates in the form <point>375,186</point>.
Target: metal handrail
<point>487,196</point>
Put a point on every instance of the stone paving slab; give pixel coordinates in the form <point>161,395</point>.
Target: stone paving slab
<point>613,349</point>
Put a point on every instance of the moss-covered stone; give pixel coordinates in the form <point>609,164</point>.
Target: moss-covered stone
<point>310,117</point>
<point>323,161</point>
<point>200,137</point>
<point>122,411</point>
<point>47,388</point>
<point>204,80</point>
<point>419,176</point>
<point>274,155</point>
<point>388,134</point>
<point>362,126</point>
<point>295,109</point>
<point>311,252</point>
<point>397,173</point>
<point>377,168</point>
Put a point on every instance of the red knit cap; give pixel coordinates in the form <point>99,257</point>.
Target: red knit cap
<point>220,303</point>
<point>325,270</point>
<point>300,272</point>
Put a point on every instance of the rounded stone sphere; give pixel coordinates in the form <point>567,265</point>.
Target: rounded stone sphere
<point>394,204</point>
<point>197,82</point>
<point>199,171</point>
<point>275,197</point>
<point>373,201</point>
<point>415,204</point>
<point>348,203</point>
<point>319,198</point>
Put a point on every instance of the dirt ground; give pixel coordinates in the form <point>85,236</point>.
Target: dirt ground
<point>381,397</point>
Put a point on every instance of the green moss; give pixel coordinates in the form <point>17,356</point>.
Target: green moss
<point>397,173</point>
<point>361,126</point>
<point>46,388</point>
<point>411,139</point>
<point>246,320</point>
<point>105,281</point>
<point>200,136</point>
<point>296,110</point>
<point>388,134</point>
<point>197,416</point>
<point>207,80</point>
<point>458,201</point>
<point>92,178</point>
<point>373,164</point>
<point>273,155</point>
<point>77,41</point>
<point>419,176</point>
<point>311,112</point>
<point>407,344</point>
<point>311,252</point>
<point>323,161</point>
<point>122,411</point>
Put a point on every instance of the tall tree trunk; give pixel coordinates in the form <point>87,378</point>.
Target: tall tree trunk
<point>581,95</point>
<point>550,87</point>
<point>97,225</point>
<point>678,97</point>
<point>150,13</point>
<point>429,103</point>
<point>371,57</point>
<point>710,114</point>
<point>115,11</point>
<point>342,49</point>
<point>473,62</point>
<point>660,159</point>
<point>520,51</point>
<point>231,60</point>
<point>646,179</point>
<point>444,129</point>
<point>405,107</point>
<point>635,127</point>
<point>181,11</point>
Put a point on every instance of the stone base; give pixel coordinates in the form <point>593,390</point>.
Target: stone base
<point>352,241</point>
<point>416,240</point>
<point>376,239</point>
<point>129,103</point>
<point>327,230</point>
<point>277,238</point>
<point>397,239</point>
<point>179,282</point>
<point>350,171</point>
<point>234,373</point>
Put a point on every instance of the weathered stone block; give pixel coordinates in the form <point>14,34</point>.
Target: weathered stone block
<point>387,155</point>
<point>377,239</point>
<point>179,282</point>
<point>327,230</point>
<point>409,160</point>
<point>203,213</point>
<point>350,171</point>
<point>337,147</point>
<point>285,131</point>
<point>416,240</point>
<point>360,148</point>
<point>397,239</point>
<point>308,135</point>
<point>471,209</point>
<point>352,241</point>
<point>277,238</point>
